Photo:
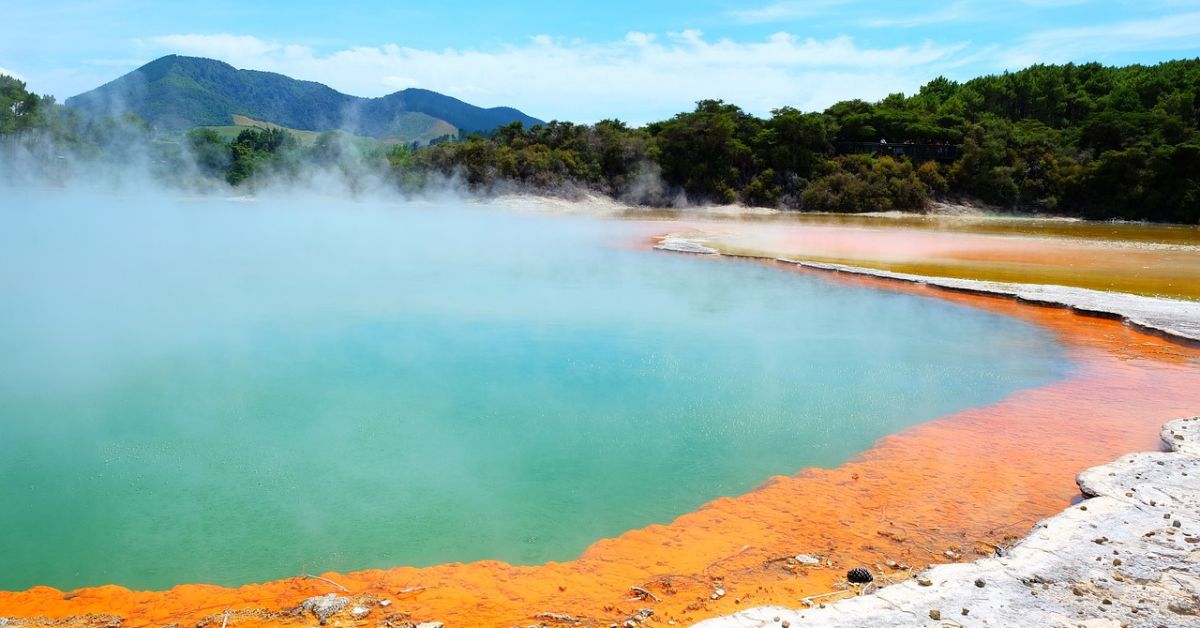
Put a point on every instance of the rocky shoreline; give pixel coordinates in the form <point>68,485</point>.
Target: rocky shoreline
<point>1176,319</point>
<point>1170,317</point>
<point>1127,555</point>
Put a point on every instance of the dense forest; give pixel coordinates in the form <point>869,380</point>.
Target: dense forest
<point>1080,140</point>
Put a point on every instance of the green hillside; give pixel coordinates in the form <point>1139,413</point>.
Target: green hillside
<point>179,93</point>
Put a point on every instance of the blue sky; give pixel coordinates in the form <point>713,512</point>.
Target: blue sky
<point>638,61</point>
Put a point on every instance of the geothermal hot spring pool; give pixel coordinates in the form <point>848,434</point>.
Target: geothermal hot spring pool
<point>227,391</point>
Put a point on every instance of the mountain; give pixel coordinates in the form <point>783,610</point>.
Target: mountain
<point>179,93</point>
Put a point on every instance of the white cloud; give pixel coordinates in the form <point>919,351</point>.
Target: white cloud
<point>640,77</point>
<point>956,12</point>
<point>11,73</point>
<point>222,46</point>
<point>784,11</point>
<point>1171,32</point>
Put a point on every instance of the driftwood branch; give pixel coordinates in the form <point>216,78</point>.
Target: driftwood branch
<point>808,600</point>
<point>644,593</point>
<point>344,589</point>
<point>557,617</point>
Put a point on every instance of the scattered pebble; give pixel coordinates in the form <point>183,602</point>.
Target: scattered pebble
<point>935,614</point>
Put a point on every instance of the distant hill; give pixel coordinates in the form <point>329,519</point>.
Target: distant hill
<point>179,93</point>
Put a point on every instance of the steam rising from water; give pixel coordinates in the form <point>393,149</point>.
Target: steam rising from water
<point>229,390</point>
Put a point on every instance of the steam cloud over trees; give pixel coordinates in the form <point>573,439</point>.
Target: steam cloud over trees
<point>1082,140</point>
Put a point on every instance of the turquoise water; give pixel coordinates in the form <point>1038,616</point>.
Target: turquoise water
<point>228,392</point>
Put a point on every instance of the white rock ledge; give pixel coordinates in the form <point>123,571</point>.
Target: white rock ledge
<point>1129,555</point>
<point>684,244</point>
<point>1172,317</point>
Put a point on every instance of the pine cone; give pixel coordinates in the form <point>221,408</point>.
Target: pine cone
<point>859,575</point>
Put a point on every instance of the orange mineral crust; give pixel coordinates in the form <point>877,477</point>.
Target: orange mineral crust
<point>951,489</point>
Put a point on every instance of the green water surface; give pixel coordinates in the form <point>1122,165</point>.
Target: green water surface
<point>228,392</point>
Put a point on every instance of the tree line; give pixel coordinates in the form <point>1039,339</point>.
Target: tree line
<point>1077,139</point>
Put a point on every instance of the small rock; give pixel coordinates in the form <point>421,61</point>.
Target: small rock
<point>808,559</point>
<point>359,612</point>
<point>718,594</point>
<point>952,555</point>
<point>980,582</point>
<point>935,614</point>
<point>966,611</point>
<point>430,624</point>
<point>786,624</point>
<point>324,606</point>
<point>925,582</point>
<point>385,603</point>
<point>1176,524</point>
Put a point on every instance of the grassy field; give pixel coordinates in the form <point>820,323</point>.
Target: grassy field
<point>410,127</point>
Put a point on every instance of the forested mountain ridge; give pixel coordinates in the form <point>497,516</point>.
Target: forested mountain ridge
<point>178,93</point>
<point>1082,140</point>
